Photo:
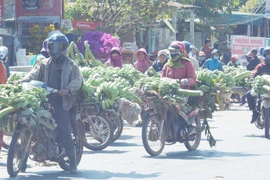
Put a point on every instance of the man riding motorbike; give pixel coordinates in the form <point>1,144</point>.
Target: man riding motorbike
<point>261,69</point>
<point>62,74</point>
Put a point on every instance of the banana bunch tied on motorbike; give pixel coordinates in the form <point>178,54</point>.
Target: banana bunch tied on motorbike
<point>261,84</point>
<point>206,80</point>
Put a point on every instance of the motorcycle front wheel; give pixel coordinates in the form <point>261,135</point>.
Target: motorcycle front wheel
<point>98,132</point>
<point>18,150</point>
<point>193,145</point>
<point>153,135</point>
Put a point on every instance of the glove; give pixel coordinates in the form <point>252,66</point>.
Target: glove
<point>184,82</point>
<point>64,92</point>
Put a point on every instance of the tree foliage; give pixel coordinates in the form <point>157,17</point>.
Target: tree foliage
<point>249,6</point>
<point>119,15</point>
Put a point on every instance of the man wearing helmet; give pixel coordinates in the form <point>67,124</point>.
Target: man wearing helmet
<point>260,69</point>
<point>61,73</point>
<point>213,63</point>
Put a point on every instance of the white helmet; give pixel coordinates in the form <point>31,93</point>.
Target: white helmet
<point>3,52</point>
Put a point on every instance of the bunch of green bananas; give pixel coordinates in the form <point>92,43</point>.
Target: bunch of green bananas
<point>15,77</point>
<point>206,76</point>
<point>259,82</point>
<point>6,90</point>
<point>30,98</point>
<point>107,94</point>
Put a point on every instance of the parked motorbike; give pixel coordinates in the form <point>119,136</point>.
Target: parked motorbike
<point>98,129</point>
<point>35,137</point>
<point>171,127</point>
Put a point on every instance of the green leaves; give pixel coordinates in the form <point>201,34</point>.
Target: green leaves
<point>119,15</point>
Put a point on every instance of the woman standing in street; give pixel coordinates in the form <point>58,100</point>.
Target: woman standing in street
<point>143,60</point>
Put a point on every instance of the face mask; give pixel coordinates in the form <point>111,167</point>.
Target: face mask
<point>116,58</point>
<point>201,58</point>
<point>216,57</point>
<point>175,56</point>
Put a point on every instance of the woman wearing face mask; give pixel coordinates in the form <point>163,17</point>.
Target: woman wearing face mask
<point>179,67</point>
<point>214,62</point>
<point>143,60</point>
<point>234,61</point>
<point>115,58</point>
<point>201,58</point>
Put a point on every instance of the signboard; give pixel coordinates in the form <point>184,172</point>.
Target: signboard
<point>267,8</point>
<point>1,12</point>
<point>85,25</point>
<point>241,45</point>
<point>67,23</point>
<point>39,10</point>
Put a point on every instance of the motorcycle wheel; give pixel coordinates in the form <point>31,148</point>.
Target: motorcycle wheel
<point>153,135</point>
<point>193,145</point>
<point>266,122</point>
<point>18,150</point>
<point>98,132</point>
<point>118,126</point>
<point>78,145</point>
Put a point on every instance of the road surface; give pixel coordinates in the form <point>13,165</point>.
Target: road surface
<point>241,153</point>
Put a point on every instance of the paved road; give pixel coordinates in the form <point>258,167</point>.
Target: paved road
<point>241,153</point>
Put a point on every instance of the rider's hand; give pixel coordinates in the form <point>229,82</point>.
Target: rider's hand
<point>64,92</point>
<point>17,82</point>
<point>184,82</point>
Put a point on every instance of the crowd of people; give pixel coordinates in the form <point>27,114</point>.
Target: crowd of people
<point>180,61</point>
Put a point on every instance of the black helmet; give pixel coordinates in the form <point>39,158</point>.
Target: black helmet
<point>266,51</point>
<point>57,45</point>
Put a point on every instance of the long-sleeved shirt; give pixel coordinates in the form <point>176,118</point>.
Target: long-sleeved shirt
<point>213,64</point>
<point>253,63</point>
<point>187,72</point>
<point>261,69</point>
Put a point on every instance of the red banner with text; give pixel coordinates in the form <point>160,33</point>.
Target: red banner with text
<point>85,25</point>
<point>39,10</point>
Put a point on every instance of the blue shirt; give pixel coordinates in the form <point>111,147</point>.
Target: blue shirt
<point>158,66</point>
<point>213,64</point>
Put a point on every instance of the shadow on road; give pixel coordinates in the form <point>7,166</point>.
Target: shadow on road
<point>126,137</point>
<point>255,136</point>
<point>218,140</point>
<point>83,174</point>
<point>200,155</point>
<point>125,144</point>
<point>105,152</point>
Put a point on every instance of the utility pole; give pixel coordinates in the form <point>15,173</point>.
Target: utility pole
<point>192,29</point>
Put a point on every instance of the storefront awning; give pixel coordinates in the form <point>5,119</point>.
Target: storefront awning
<point>170,26</point>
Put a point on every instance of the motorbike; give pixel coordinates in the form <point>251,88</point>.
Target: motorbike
<point>169,126</point>
<point>97,128</point>
<point>35,137</point>
<point>263,107</point>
